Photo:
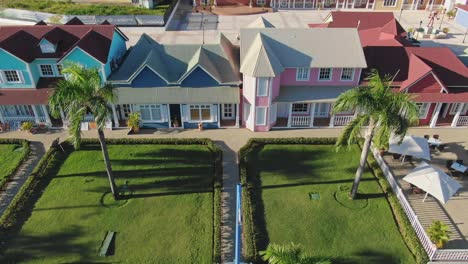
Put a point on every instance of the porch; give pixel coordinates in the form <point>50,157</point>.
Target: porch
<point>322,4</point>
<point>449,114</point>
<point>308,115</point>
<point>12,116</point>
<point>428,5</point>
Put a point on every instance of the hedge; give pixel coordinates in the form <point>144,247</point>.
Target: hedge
<point>217,189</point>
<point>252,236</point>
<point>24,156</point>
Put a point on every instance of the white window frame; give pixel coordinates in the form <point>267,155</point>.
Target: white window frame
<point>352,74</point>
<point>454,108</point>
<point>47,47</point>
<point>423,106</point>
<point>386,3</point>
<point>230,111</point>
<point>150,107</point>
<point>264,115</point>
<point>58,69</point>
<point>302,74</point>
<point>302,111</point>
<point>199,107</point>
<point>5,79</point>
<point>266,92</point>
<point>46,65</point>
<point>323,114</point>
<point>261,2</point>
<point>329,76</point>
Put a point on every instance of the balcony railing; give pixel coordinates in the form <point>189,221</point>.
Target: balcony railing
<point>41,119</point>
<point>343,120</point>
<point>462,121</point>
<point>300,121</point>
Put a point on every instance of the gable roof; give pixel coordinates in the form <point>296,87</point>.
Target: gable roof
<point>300,47</point>
<point>74,21</point>
<point>174,62</point>
<point>375,28</point>
<point>260,22</point>
<point>23,41</point>
<point>408,64</point>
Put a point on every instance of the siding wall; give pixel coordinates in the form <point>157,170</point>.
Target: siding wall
<point>10,62</point>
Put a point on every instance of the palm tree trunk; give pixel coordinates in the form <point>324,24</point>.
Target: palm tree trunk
<point>362,162</point>
<point>110,175</point>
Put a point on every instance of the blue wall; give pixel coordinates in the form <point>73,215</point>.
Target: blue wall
<point>117,50</point>
<point>35,67</point>
<point>79,56</point>
<point>147,78</point>
<point>462,18</point>
<point>206,125</point>
<point>10,62</point>
<point>199,78</point>
<point>156,125</point>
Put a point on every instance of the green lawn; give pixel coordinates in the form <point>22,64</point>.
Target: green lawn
<point>361,231</point>
<point>169,218</point>
<point>70,8</point>
<point>10,158</point>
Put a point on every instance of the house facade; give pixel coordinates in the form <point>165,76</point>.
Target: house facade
<point>291,82</point>
<point>179,85</point>
<point>32,57</point>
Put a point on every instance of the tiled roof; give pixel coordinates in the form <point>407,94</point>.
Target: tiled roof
<point>24,96</point>
<point>23,41</point>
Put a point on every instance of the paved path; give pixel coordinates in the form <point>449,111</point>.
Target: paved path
<point>36,153</point>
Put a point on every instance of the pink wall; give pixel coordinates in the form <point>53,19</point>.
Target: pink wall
<point>288,77</point>
<point>276,87</point>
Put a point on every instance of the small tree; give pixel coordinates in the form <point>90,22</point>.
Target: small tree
<point>288,254</point>
<point>439,233</point>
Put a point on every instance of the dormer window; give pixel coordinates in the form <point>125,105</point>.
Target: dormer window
<point>47,47</point>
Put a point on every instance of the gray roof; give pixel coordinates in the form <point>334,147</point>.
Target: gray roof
<point>301,47</point>
<point>260,22</point>
<point>173,62</point>
<point>260,60</point>
<point>307,94</point>
<point>177,95</point>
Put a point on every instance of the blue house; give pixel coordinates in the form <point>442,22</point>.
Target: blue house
<point>32,57</point>
<point>180,85</point>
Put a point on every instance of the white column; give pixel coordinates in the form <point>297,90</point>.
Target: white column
<point>290,115</point>
<point>435,115</point>
<point>219,114</point>
<point>46,114</point>
<point>353,4</point>
<point>36,116</point>
<point>312,113</point>
<point>114,113</point>
<point>194,2</point>
<point>182,115</point>
<point>2,120</point>
<point>332,121</point>
<point>169,121</point>
<point>303,4</point>
<point>457,115</point>
<point>237,115</point>
<point>289,3</point>
<point>294,3</point>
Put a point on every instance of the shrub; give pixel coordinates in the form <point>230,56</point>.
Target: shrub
<point>439,232</point>
<point>26,126</point>
<point>133,121</point>
<point>446,30</point>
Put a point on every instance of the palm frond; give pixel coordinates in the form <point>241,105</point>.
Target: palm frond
<point>352,132</point>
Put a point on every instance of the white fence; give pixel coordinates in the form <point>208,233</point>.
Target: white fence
<point>431,250</point>
<point>343,120</point>
<point>462,121</point>
<point>300,121</point>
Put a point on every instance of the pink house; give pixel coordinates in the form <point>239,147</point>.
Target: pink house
<point>291,77</point>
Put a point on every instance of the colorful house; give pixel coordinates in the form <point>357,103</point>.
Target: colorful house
<point>291,77</point>
<point>32,57</point>
<point>436,77</point>
<point>180,85</point>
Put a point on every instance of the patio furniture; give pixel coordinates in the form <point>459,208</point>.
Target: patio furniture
<point>426,137</point>
<point>396,156</point>
<point>441,147</point>
<point>459,162</point>
<point>103,251</point>
<point>415,189</point>
<point>436,136</point>
<point>448,164</point>
<point>458,167</point>
<point>413,146</point>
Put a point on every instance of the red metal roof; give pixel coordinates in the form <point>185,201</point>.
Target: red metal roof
<point>24,96</point>
<point>23,41</point>
<point>463,7</point>
<point>441,97</point>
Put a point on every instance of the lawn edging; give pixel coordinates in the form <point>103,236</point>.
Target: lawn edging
<point>404,225</point>
<point>251,236</point>
<point>24,156</point>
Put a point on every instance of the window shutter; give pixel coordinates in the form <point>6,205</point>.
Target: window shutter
<point>20,75</point>
<point>164,113</point>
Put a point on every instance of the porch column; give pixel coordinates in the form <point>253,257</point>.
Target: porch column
<point>435,115</point>
<point>194,2</point>
<point>457,115</point>
<point>2,120</point>
<point>182,115</point>
<point>332,121</point>
<point>303,4</point>
<point>46,114</point>
<point>290,115</point>
<point>367,4</point>
<point>353,4</point>
<point>62,116</point>
<point>289,3</point>
<point>36,116</point>
<point>114,114</point>
<point>337,3</point>
<point>237,115</point>
<point>312,113</point>
<point>219,114</point>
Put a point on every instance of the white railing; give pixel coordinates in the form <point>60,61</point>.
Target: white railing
<point>19,118</point>
<point>300,121</point>
<point>462,121</point>
<point>429,247</point>
<point>343,120</point>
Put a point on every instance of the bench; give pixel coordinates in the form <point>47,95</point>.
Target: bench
<point>106,243</point>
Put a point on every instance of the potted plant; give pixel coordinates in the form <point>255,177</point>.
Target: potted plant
<point>133,122</point>
<point>28,126</point>
<point>175,122</point>
<point>439,233</point>
<point>451,14</point>
<point>446,30</point>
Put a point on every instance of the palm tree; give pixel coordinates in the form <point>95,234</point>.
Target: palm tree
<point>380,109</point>
<point>80,93</point>
<point>288,254</point>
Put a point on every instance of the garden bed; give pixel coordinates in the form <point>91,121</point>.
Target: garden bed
<point>297,192</point>
<point>169,214</point>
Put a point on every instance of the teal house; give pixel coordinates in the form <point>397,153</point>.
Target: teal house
<point>179,85</point>
<point>32,57</point>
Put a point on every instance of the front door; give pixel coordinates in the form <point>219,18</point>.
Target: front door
<point>228,112</point>
<point>176,120</point>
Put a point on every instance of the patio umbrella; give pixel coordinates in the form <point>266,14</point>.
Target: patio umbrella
<point>433,181</point>
<point>410,146</point>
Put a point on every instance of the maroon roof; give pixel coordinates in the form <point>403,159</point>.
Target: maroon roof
<point>23,41</point>
<point>24,96</point>
<point>461,97</point>
<point>74,21</point>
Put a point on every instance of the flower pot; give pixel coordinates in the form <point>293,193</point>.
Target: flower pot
<point>200,126</point>
<point>136,130</point>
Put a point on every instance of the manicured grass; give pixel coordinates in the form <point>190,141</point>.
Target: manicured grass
<point>168,219</point>
<point>10,159</point>
<point>70,8</point>
<point>345,231</point>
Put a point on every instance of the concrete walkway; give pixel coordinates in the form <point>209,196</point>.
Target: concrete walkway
<point>230,141</point>
<point>6,196</point>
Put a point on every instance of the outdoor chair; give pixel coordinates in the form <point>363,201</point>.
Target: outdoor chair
<point>408,158</point>
<point>448,164</point>
<point>441,148</point>
<point>426,137</point>
<point>460,162</point>
<point>436,137</point>
<point>396,156</point>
